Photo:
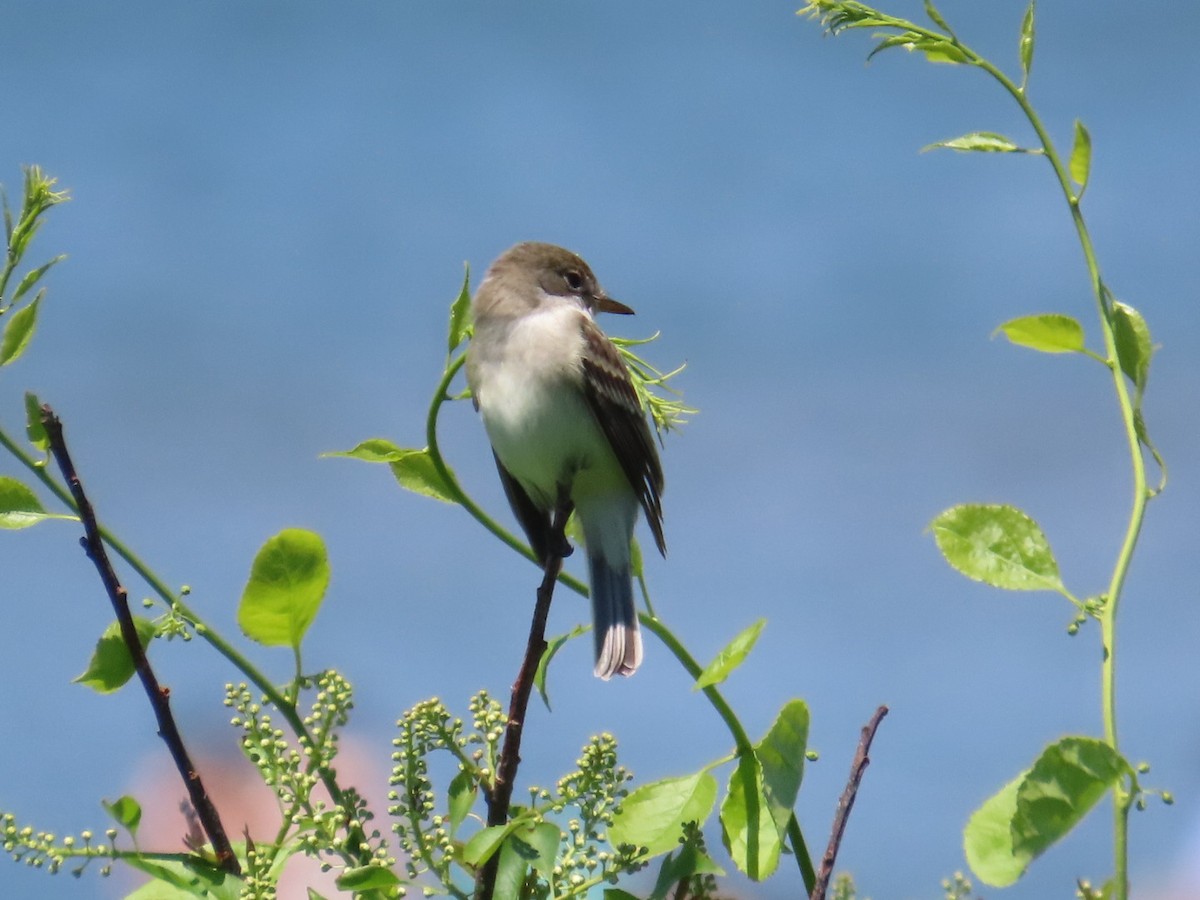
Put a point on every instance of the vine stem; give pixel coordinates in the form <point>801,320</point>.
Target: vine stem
<point>1122,795</point>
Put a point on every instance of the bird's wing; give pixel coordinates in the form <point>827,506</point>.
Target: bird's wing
<point>613,401</point>
<point>534,521</point>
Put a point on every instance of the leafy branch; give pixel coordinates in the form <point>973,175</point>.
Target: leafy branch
<point>1003,546</point>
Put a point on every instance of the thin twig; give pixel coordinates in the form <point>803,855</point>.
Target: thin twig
<point>846,803</point>
<point>500,796</point>
<point>159,696</point>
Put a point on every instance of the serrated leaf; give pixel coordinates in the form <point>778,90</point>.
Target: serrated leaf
<point>732,656</point>
<point>653,815</point>
<point>460,313</point>
<point>1026,43</point>
<point>781,755</point>
<point>34,429</point>
<point>1048,332</point>
<point>111,665</point>
<point>287,583</point>
<point>19,331</point>
<point>462,792</point>
<point>367,878</point>
<point>126,811</point>
<point>538,845</point>
<point>1134,347</point>
<point>552,647</point>
<point>998,545</point>
<point>1081,155</point>
<point>416,472</point>
<point>376,450</point>
<point>747,827</point>
<point>1039,807</point>
<point>978,142</point>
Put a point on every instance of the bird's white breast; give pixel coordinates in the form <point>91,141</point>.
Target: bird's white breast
<point>528,383</point>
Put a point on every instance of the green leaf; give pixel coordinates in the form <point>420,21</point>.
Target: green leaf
<point>34,429</point>
<point>33,276</point>
<point>1134,348</point>
<point>936,17</point>
<point>653,815</point>
<point>20,507</point>
<point>111,665</point>
<point>126,811</point>
<point>998,545</point>
<point>190,878</point>
<point>1081,155</point>
<point>416,472</point>
<point>618,894</point>
<point>485,842</point>
<point>367,878</point>
<point>979,142</point>
<point>781,755</point>
<point>460,313</point>
<point>511,869</point>
<point>747,826</point>
<point>552,647</point>
<point>462,793</point>
<point>941,51</point>
<point>1048,332</point>
<point>987,839</point>
<point>287,583</point>
<point>732,656</point>
<point>378,450</point>
<point>689,861</point>
<point>19,331</point>
<point>1068,779</point>
<point>1026,43</point>
<point>538,845</point>
<point>1039,807</point>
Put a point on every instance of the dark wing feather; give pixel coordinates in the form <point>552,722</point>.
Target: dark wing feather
<point>534,521</point>
<point>614,402</point>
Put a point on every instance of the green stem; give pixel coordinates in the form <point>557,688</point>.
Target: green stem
<point>1122,794</point>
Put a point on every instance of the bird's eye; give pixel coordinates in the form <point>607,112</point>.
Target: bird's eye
<point>573,279</point>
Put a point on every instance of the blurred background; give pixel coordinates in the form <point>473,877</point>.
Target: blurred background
<point>272,206</point>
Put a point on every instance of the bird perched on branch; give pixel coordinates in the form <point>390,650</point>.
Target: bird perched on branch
<point>566,427</point>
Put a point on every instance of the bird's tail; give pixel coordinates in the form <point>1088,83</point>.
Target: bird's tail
<point>614,618</point>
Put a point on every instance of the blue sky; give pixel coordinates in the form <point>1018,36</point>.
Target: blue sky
<point>272,206</point>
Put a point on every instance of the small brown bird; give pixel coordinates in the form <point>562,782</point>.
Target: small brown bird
<point>564,421</point>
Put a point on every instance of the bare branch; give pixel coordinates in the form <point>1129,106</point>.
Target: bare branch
<point>159,696</point>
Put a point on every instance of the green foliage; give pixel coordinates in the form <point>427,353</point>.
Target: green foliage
<point>1003,546</point>
<point>111,664</point>
<point>287,583</point>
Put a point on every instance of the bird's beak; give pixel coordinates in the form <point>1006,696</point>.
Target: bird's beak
<point>607,304</point>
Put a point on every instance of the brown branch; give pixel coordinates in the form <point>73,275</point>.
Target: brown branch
<point>846,803</point>
<point>500,796</point>
<point>159,696</point>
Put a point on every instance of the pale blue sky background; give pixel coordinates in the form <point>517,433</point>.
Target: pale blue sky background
<point>273,203</point>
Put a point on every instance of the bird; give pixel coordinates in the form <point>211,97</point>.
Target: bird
<point>566,426</point>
